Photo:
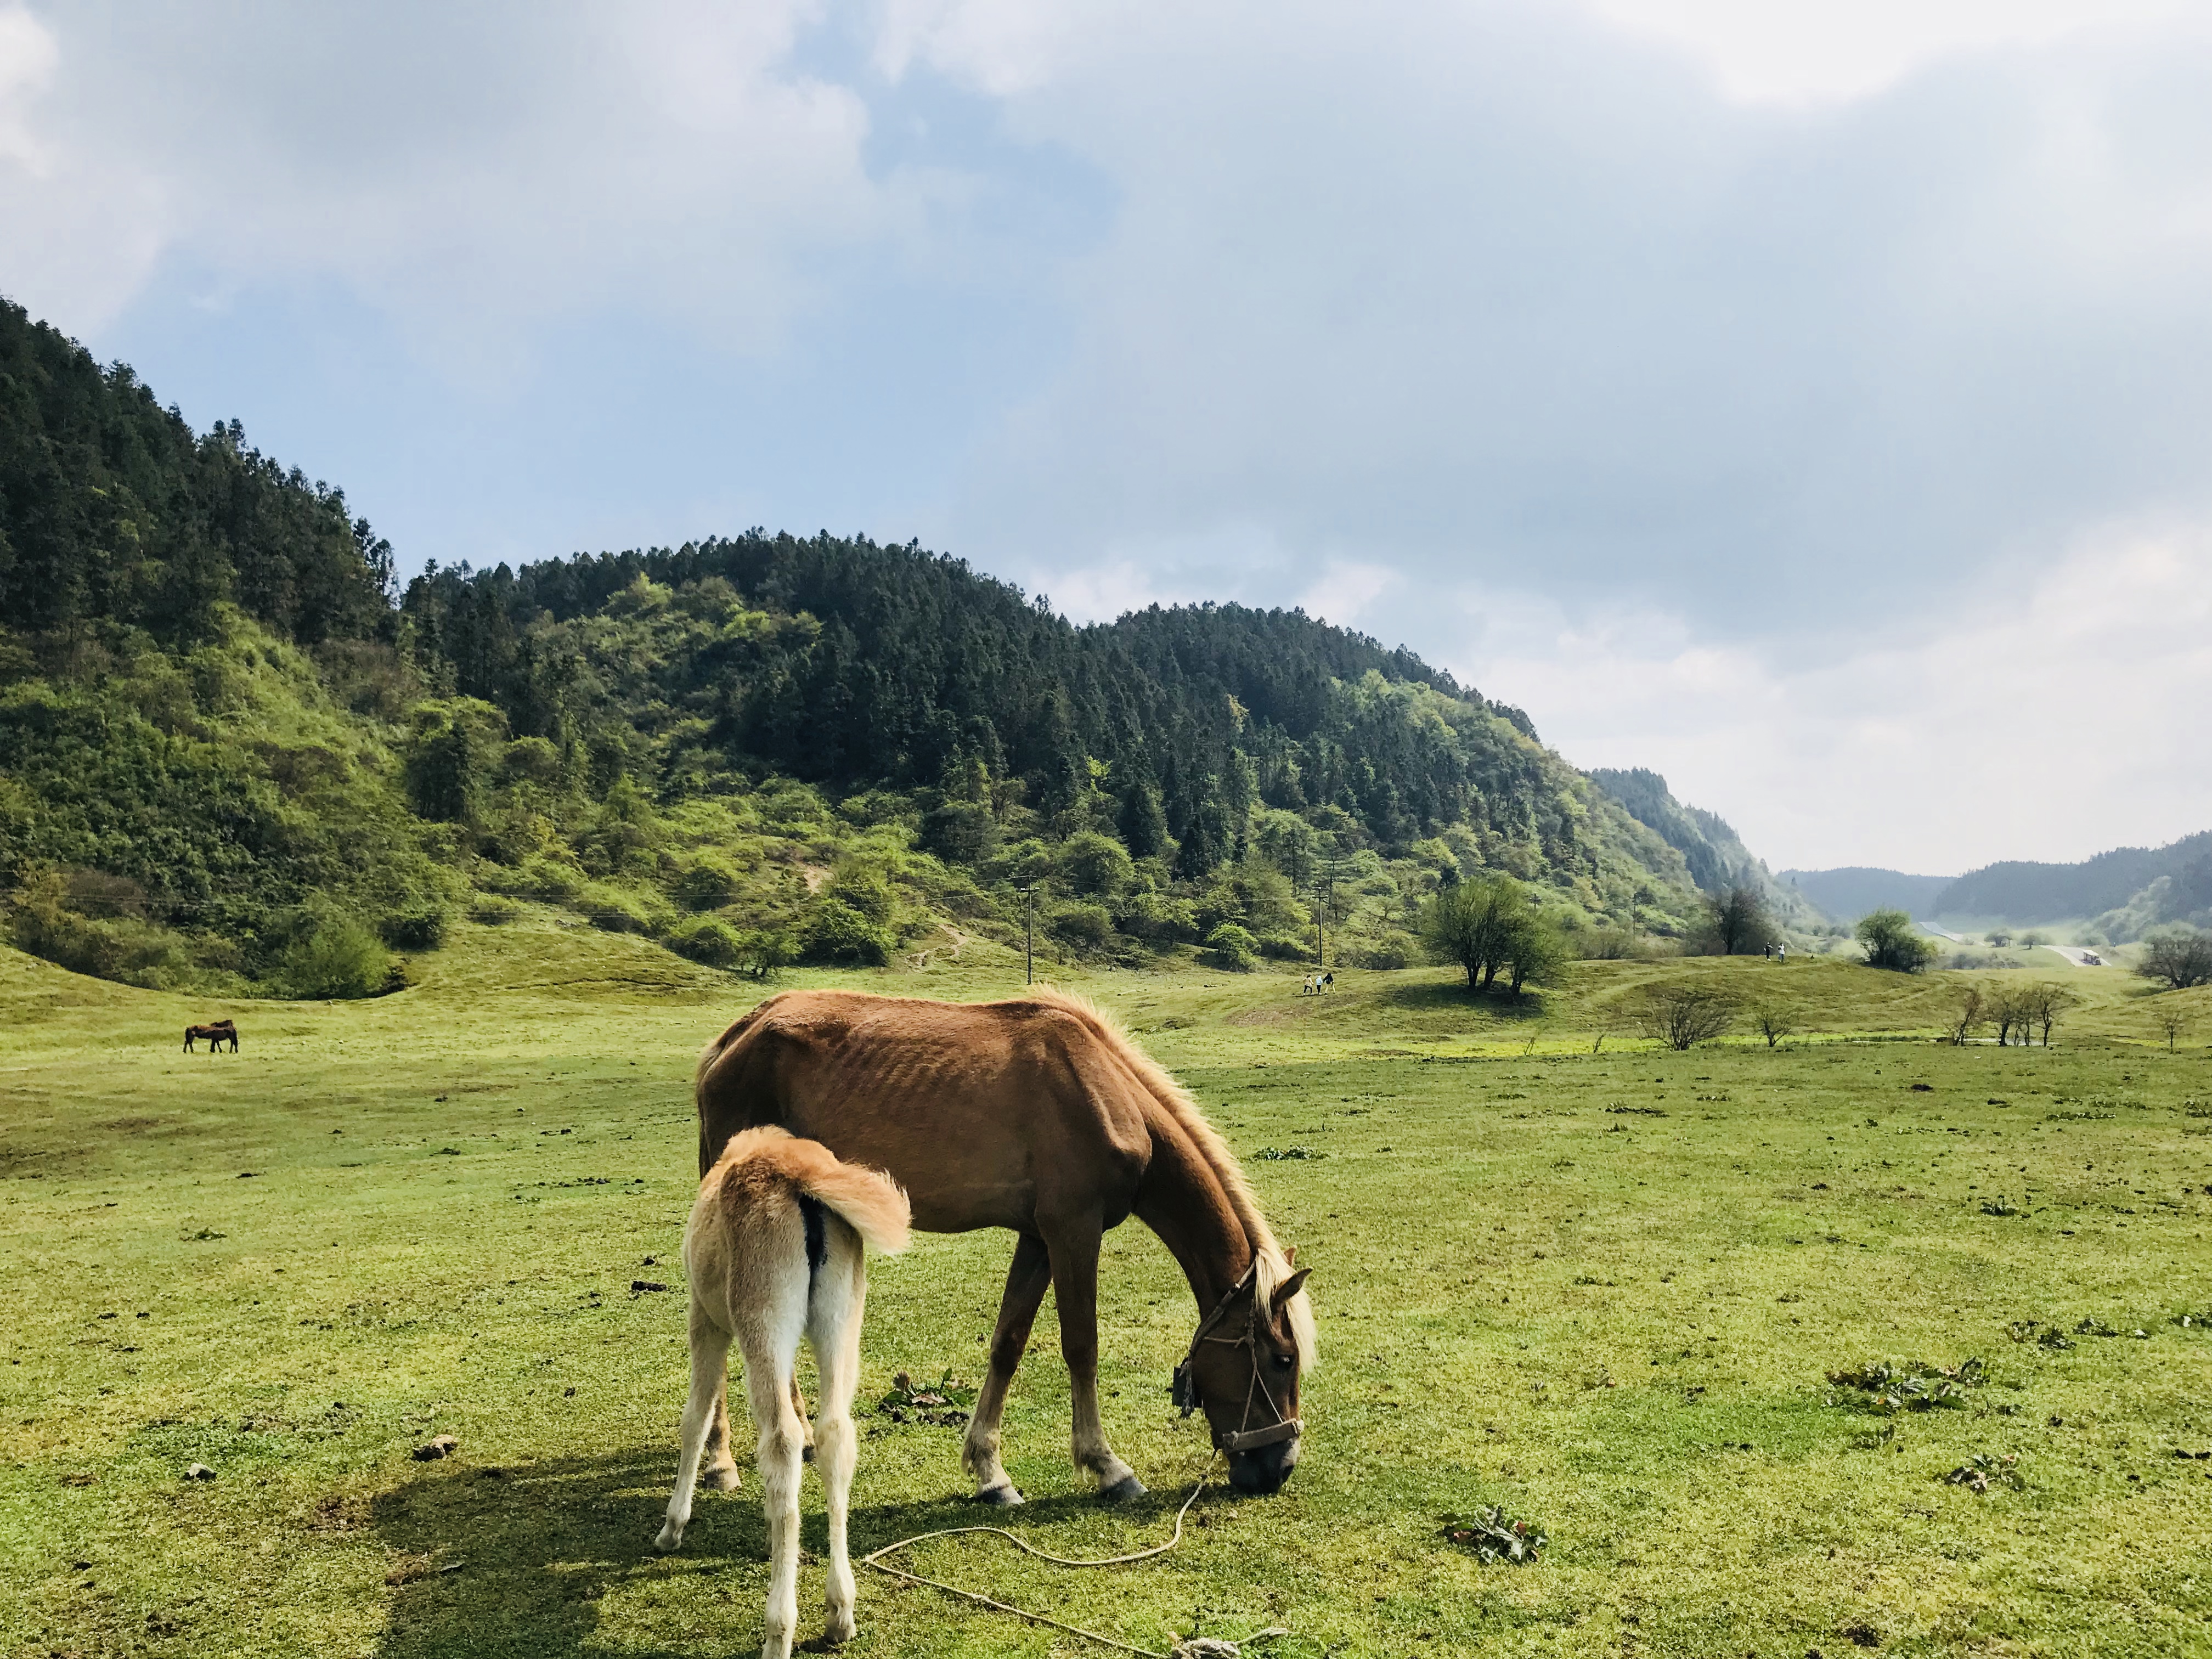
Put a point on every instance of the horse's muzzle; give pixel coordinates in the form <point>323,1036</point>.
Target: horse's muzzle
<point>1264,1470</point>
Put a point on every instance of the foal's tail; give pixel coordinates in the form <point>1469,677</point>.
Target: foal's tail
<point>870,1202</point>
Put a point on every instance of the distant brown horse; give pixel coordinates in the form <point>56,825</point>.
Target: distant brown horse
<point>1040,1115</point>
<point>216,1034</point>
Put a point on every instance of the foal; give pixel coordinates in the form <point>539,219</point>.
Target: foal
<point>773,1252</point>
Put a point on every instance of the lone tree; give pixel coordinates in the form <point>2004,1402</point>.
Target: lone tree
<point>1488,926</point>
<point>1772,1021</point>
<point>2173,1020</point>
<point>1685,1013</point>
<point>1967,1017</point>
<point>2181,959</point>
<point>1890,941</point>
<point>1737,922</point>
<point>2044,1003</point>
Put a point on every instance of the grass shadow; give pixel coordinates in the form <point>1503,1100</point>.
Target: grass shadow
<point>1453,997</point>
<point>522,1561</point>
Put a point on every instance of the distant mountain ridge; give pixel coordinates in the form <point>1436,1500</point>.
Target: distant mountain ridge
<point>1851,892</point>
<point>2119,895</point>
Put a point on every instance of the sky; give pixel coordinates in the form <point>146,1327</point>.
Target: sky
<point>1811,401</point>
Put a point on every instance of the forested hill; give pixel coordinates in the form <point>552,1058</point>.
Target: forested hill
<point>858,667</point>
<point>231,755</point>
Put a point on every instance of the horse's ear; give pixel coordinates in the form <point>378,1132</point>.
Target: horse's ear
<point>1289,1288</point>
<point>1290,1256</point>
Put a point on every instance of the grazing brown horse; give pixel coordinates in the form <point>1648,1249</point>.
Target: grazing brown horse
<point>1036,1114</point>
<point>216,1034</point>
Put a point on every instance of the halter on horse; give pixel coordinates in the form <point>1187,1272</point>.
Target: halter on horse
<point>1246,1471</point>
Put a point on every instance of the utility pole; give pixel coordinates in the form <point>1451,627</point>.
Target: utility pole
<point>1029,932</point>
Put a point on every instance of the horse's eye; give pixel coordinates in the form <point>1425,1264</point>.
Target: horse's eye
<point>1283,1362</point>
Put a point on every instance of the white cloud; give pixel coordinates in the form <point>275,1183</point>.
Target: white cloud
<point>2050,719</point>
<point>1770,50</point>
<point>477,175</point>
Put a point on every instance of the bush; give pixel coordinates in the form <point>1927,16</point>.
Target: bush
<point>336,958</point>
<point>707,939</point>
<point>961,832</point>
<point>493,908</point>
<point>1093,864</point>
<point>117,947</point>
<point>1391,950</point>
<point>1232,947</point>
<point>708,883</point>
<point>1892,941</point>
<point>834,932</point>
<point>613,910</point>
<point>1684,1013</point>
<point>1082,924</point>
<point>417,927</point>
<point>761,952</point>
<point>2181,959</point>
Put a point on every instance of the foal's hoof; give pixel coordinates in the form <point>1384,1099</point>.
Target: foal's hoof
<point>1002,1496</point>
<point>722,1479</point>
<point>1121,1490</point>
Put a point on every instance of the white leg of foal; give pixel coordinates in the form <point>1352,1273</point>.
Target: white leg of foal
<point>710,1352</point>
<point>836,1336</point>
<point>768,1384</point>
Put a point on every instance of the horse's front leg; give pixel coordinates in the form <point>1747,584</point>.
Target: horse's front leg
<point>1075,1289</point>
<point>1026,1280</point>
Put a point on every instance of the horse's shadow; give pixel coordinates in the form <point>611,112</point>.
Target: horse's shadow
<point>518,1561</point>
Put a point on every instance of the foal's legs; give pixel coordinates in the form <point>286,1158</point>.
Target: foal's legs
<point>833,1328</point>
<point>770,1341</point>
<point>1026,1280</point>
<point>710,1352</point>
<point>722,1472</point>
<point>1075,1289</point>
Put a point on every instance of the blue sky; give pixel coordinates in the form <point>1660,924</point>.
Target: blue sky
<point>1809,401</point>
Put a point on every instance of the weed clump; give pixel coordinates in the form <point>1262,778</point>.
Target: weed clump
<point>1911,1388</point>
<point>1491,1538</point>
<point>942,1404</point>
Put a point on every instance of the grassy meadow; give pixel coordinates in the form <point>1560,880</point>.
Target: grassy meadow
<point>1556,1270</point>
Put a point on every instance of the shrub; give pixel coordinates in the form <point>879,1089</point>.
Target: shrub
<point>1684,1013</point>
<point>336,958</point>
<point>708,883</point>
<point>834,932</point>
<point>1391,950</point>
<point>761,951</point>
<point>1082,924</point>
<point>493,908</point>
<point>1096,865</point>
<point>961,832</point>
<point>2181,959</point>
<point>1892,941</point>
<point>1232,947</point>
<point>708,939</point>
<point>417,927</point>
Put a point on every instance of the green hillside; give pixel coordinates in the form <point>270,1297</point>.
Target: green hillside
<point>234,759</point>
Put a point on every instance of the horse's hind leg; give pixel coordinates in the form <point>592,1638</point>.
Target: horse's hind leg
<point>833,1317</point>
<point>770,1340</point>
<point>720,1473</point>
<point>1075,1290</point>
<point>710,1352</point>
<point>798,1406</point>
<point>1027,1277</point>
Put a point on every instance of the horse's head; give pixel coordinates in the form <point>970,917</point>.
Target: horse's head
<point>1243,1372</point>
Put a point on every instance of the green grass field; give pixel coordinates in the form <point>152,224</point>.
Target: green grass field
<point>1602,1290</point>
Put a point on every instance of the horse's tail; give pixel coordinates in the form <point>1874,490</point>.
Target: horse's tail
<point>868,1201</point>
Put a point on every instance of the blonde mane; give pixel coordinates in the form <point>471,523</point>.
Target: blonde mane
<point>1270,1265</point>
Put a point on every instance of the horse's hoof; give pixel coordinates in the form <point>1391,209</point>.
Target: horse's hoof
<point>670,1538</point>
<point>807,1453</point>
<point>722,1480</point>
<point>1121,1490</point>
<point>1002,1496</point>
